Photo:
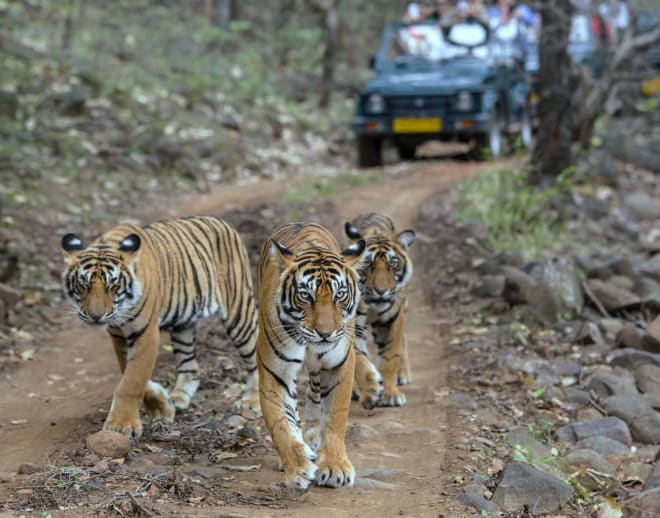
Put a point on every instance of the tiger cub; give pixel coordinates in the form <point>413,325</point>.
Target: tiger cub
<point>384,273</point>
<point>136,281</point>
<point>308,295</point>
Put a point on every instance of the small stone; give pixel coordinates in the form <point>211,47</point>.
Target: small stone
<point>651,338</point>
<point>604,446</point>
<point>462,400</point>
<point>651,268</point>
<point>576,395</point>
<point>491,286</point>
<point>523,485</point>
<point>592,460</point>
<point>569,368</point>
<point>643,420</point>
<point>637,471</point>
<point>606,384</point>
<point>629,336</point>
<point>653,480</point>
<point>235,421</point>
<point>648,378</point>
<point>360,433</point>
<point>630,358</point>
<point>109,444</point>
<point>643,505</point>
<point>611,296</point>
<point>478,502</point>
<point>10,296</point>
<point>7,477</point>
<point>589,333</point>
<point>622,282</point>
<point>612,427</point>
<point>611,326</point>
<point>642,206</point>
<point>368,483</point>
<point>28,469</point>
<point>377,474</point>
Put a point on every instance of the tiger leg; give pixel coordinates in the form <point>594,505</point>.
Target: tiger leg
<point>334,467</point>
<point>244,336</point>
<point>124,416</point>
<point>157,400</point>
<point>187,369</point>
<point>313,411</point>
<point>404,377</point>
<point>367,378</point>
<point>389,338</point>
<point>277,395</point>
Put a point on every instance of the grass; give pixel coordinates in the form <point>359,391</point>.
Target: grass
<point>515,216</point>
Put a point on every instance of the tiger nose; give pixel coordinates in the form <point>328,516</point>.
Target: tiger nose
<point>95,316</point>
<point>380,291</point>
<point>324,334</point>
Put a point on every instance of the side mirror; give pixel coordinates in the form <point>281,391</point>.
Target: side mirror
<point>372,62</point>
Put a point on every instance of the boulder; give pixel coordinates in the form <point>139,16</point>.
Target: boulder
<point>651,339</point>
<point>606,384</point>
<point>523,486</point>
<point>611,296</point>
<point>648,378</point>
<point>643,420</point>
<point>604,446</point>
<point>629,336</point>
<point>479,503</point>
<point>602,472</point>
<point>611,427</point>
<point>630,358</point>
<point>643,505</point>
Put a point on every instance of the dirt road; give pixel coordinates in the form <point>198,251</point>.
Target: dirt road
<point>48,406</point>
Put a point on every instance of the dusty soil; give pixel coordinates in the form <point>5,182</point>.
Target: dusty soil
<point>405,456</point>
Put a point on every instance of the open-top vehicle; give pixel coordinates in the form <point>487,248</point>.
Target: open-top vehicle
<point>461,82</point>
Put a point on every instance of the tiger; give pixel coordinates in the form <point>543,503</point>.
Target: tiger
<point>308,295</point>
<point>135,281</point>
<point>384,274</point>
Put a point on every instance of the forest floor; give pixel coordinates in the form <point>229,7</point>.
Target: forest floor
<point>211,462</point>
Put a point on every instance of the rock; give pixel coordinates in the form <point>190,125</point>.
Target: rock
<point>28,468</point>
<point>576,395</point>
<point>651,268</point>
<point>235,421</point>
<point>516,285</point>
<point>462,400</point>
<point>582,459</point>
<point>377,474</point>
<point>653,481</point>
<point>533,449</point>
<point>637,471</point>
<point>611,326</point>
<point>653,399</point>
<point>643,420</point>
<point>10,296</point>
<point>648,288</point>
<point>630,358</point>
<point>629,336</point>
<point>622,266</point>
<point>523,485</point>
<point>108,444</point>
<point>611,427</point>
<point>648,378</point>
<point>651,338</point>
<point>622,282</point>
<point>642,206</point>
<point>606,384</point>
<point>563,290</point>
<point>7,477</point>
<point>643,505</point>
<point>568,368</point>
<point>368,483</point>
<point>360,432</point>
<point>604,446</point>
<point>589,333</point>
<point>478,502</point>
<point>491,286</point>
<point>611,296</point>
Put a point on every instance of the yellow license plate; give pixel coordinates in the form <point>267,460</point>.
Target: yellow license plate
<point>533,99</point>
<point>417,125</point>
<point>651,86</point>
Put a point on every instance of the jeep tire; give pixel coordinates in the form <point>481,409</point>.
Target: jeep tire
<point>369,152</point>
<point>406,152</point>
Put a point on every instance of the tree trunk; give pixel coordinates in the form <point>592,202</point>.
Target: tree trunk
<point>556,84</point>
<point>329,52</point>
<point>225,12</point>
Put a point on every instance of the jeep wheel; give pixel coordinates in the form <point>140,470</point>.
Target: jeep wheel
<point>406,152</point>
<point>369,151</point>
<point>491,144</point>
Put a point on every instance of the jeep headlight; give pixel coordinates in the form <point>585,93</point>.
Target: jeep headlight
<point>463,101</point>
<point>375,104</point>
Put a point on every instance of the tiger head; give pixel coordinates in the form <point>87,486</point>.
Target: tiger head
<point>100,280</point>
<point>319,292</point>
<point>386,267</point>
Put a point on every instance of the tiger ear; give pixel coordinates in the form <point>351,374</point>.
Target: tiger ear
<point>281,254</point>
<point>130,245</point>
<point>354,253</point>
<point>72,245</point>
<point>351,231</point>
<point>406,238</point>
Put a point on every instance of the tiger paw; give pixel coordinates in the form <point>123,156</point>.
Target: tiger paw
<point>125,423</point>
<point>393,397</point>
<point>372,391</point>
<point>158,404</point>
<point>300,473</point>
<point>335,473</point>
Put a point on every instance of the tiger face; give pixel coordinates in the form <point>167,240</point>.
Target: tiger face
<point>386,267</point>
<point>319,293</point>
<point>100,280</point>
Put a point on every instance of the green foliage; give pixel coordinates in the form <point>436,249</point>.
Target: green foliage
<point>515,215</point>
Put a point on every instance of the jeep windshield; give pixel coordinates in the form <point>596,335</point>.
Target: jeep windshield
<point>426,42</point>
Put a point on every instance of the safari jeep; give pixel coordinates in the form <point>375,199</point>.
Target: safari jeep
<point>459,83</point>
